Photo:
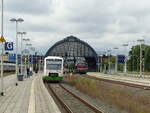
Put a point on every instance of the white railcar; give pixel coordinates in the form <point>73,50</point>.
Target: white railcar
<point>53,66</point>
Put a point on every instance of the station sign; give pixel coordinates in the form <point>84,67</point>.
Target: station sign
<point>121,59</point>
<point>8,46</point>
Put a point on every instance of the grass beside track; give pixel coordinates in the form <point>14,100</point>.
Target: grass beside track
<point>121,98</point>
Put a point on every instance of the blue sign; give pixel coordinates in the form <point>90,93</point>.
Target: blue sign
<point>8,46</point>
<point>12,58</point>
<point>121,59</point>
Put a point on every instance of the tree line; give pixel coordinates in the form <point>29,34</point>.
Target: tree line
<point>133,63</point>
<point>133,59</point>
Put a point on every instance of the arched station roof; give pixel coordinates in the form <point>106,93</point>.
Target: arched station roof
<point>71,47</point>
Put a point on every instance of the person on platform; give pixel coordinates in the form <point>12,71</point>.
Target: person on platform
<point>28,72</point>
<point>36,70</point>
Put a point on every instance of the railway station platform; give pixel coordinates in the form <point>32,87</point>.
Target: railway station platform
<point>122,78</point>
<point>30,96</point>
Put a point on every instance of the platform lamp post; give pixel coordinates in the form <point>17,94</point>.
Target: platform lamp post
<point>101,63</point>
<point>109,56</point>
<point>32,49</point>
<point>101,69</point>
<point>2,40</point>
<point>98,63</point>
<point>125,63</point>
<point>16,21</point>
<point>21,33</point>
<point>26,51</point>
<point>104,68</point>
<point>40,59</point>
<point>133,47</point>
<point>116,60</point>
<point>29,45</point>
<point>141,42</point>
<point>36,61</point>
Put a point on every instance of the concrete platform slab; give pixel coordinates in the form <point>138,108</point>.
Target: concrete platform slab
<point>30,96</point>
<point>139,81</point>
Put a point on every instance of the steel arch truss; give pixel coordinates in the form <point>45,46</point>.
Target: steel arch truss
<point>74,50</point>
<point>71,47</point>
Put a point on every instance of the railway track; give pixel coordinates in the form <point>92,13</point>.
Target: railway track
<point>117,81</point>
<point>71,102</point>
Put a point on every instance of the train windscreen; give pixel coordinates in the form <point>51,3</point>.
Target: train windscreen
<point>54,64</point>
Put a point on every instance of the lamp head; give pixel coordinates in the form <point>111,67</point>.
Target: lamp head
<point>116,48</point>
<point>126,44</point>
<point>20,20</point>
<point>13,20</point>
<point>24,33</point>
<point>141,40</point>
<point>21,33</point>
<point>29,44</point>
<point>26,39</point>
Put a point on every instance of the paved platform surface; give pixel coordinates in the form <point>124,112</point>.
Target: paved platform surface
<point>30,96</point>
<point>122,78</point>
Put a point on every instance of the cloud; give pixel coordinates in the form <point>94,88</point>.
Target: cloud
<point>37,7</point>
<point>102,23</point>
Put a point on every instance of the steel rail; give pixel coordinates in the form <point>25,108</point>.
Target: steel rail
<point>59,99</point>
<point>115,81</point>
<point>95,109</point>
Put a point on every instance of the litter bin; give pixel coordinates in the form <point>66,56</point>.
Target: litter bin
<point>20,77</point>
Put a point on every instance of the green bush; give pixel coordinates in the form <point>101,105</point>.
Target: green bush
<point>52,79</point>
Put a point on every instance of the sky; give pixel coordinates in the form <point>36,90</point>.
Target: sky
<point>103,24</point>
